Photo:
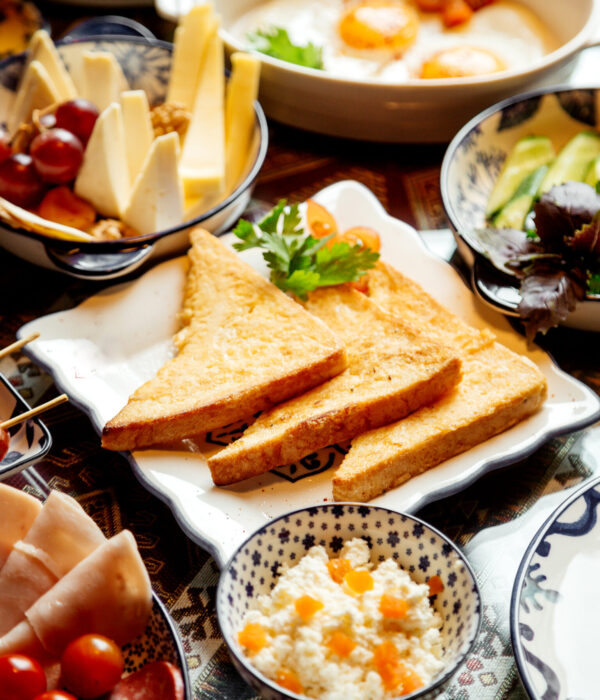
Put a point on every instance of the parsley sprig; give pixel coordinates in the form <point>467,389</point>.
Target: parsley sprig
<point>276,42</point>
<point>300,263</point>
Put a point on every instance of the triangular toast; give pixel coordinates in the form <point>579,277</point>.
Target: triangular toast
<point>497,390</point>
<point>392,370</point>
<point>244,347</point>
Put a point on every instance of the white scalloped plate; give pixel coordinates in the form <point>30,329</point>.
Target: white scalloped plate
<point>102,350</point>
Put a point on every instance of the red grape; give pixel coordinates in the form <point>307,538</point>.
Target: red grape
<point>57,155</point>
<point>5,148</point>
<point>77,116</point>
<point>19,181</point>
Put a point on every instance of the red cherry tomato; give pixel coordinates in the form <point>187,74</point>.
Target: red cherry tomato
<point>91,665</point>
<point>55,695</point>
<point>21,678</point>
<point>4,442</point>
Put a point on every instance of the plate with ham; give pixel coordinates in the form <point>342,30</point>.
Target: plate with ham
<point>24,443</point>
<point>67,591</point>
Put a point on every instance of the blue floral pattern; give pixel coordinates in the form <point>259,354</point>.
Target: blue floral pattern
<point>416,546</point>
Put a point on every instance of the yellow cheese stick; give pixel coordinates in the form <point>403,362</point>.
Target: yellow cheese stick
<point>42,49</point>
<point>242,91</point>
<point>192,38</point>
<point>103,79</point>
<point>202,166</point>
<point>36,91</point>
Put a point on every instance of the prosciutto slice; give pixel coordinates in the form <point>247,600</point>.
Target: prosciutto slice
<point>61,536</point>
<point>107,593</point>
<point>18,510</point>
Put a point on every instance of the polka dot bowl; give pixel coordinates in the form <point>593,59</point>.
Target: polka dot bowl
<point>418,548</point>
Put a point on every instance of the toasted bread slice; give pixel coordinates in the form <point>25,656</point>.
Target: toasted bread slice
<point>244,347</point>
<point>497,390</point>
<point>392,370</point>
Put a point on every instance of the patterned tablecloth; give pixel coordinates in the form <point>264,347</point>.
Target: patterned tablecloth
<point>493,520</point>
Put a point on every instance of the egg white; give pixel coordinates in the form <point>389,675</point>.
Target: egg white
<point>509,30</point>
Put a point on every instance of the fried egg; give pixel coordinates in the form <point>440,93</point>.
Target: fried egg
<point>392,41</point>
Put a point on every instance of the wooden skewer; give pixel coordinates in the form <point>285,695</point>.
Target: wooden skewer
<point>18,344</point>
<point>33,412</point>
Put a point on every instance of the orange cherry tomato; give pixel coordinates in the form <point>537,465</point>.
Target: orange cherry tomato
<point>363,236</point>
<point>319,220</point>
<point>91,665</point>
<point>55,695</point>
<point>21,678</point>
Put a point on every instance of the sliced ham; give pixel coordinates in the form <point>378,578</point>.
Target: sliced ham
<point>18,511</point>
<point>107,593</point>
<point>61,536</point>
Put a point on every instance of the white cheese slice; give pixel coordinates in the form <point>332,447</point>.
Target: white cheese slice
<point>42,49</point>
<point>102,78</point>
<point>192,37</point>
<point>242,91</point>
<point>202,165</point>
<point>36,91</point>
<point>138,129</point>
<point>156,201</point>
<point>103,178</point>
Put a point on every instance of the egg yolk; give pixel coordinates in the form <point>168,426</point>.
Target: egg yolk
<point>379,24</point>
<point>461,62</point>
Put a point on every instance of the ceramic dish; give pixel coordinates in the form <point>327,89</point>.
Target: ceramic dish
<point>29,441</point>
<point>146,64</point>
<point>555,605</point>
<point>473,161</point>
<point>418,548</point>
<point>415,110</point>
<point>102,350</point>
<point>159,642</point>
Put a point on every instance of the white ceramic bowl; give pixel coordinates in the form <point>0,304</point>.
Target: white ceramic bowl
<point>146,64</point>
<point>417,547</point>
<point>471,166</point>
<point>415,110</point>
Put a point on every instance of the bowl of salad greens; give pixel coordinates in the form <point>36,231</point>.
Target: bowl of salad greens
<point>520,185</point>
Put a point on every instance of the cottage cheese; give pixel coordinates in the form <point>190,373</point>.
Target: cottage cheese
<point>301,647</point>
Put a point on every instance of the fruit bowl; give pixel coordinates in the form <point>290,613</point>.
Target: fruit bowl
<point>146,64</point>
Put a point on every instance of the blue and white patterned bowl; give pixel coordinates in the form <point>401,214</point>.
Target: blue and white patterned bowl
<point>29,441</point>
<point>146,64</point>
<point>419,549</point>
<point>555,607</point>
<point>474,159</point>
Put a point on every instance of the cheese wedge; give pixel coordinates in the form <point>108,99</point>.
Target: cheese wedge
<point>102,78</point>
<point>36,91</point>
<point>242,91</point>
<point>156,201</point>
<point>202,165</point>
<point>192,37</point>
<point>103,178</point>
<point>42,49</point>
<point>138,129</point>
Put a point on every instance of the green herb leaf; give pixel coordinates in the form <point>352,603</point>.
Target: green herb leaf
<point>593,283</point>
<point>298,262</point>
<point>276,42</point>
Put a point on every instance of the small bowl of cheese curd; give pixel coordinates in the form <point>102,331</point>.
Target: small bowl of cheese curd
<point>348,601</point>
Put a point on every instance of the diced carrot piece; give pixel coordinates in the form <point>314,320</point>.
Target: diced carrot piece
<point>338,568</point>
<point>456,12</point>
<point>253,637</point>
<point>365,236</point>
<point>393,607</point>
<point>319,220</point>
<point>386,659</point>
<point>430,5</point>
<point>341,644</point>
<point>436,585</point>
<point>410,679</point>
<point>361,285</point>
<point>288,680</point>
<point>306,607</point>
<point>359,581</point>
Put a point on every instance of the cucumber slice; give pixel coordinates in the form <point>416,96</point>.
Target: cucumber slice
<point>514,212</point>
<point>592,176</point>
<point>527,155</point>
<point>573,161</point>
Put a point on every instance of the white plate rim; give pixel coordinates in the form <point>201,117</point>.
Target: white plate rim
<point>518,651</point>
<point>416,492</point>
